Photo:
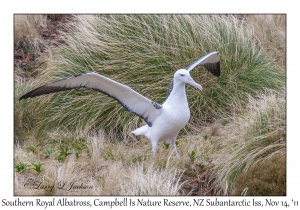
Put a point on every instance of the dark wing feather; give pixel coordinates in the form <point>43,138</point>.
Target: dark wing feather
<point>213,68</point>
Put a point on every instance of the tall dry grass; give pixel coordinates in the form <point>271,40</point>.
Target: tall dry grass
<point>28,42</point>
<point>26,29</point>
<point>111,169</point>
<point>270,30</point>
<point>256,133</point>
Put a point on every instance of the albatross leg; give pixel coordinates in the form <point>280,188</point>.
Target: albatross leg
<point>154,144</point>
<point>175,148</point>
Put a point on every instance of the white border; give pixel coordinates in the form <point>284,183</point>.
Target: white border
<point>153,6</point>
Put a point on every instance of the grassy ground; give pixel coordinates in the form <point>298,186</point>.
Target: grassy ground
<point>236,123</point>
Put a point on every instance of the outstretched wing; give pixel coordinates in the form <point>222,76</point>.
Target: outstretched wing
<point>131,100</point>
<point>211,61</point>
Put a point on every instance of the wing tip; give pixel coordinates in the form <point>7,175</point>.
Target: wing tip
<point>22,97</point>
<point>25,96</point>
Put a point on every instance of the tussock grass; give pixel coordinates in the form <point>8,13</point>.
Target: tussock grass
<point>25,112</point>
<point>256,134</point>
<point>143,51</point>
<point>29,48</point>
<point>270,30</point>
<point>25,30</point>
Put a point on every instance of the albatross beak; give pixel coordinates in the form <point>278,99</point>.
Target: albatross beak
<point>193,83</point>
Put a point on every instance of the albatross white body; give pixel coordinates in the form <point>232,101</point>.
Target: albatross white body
<point>163,121</point>
<point>174,114</point>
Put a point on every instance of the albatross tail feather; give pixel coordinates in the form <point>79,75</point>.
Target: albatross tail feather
<point>141,130</point>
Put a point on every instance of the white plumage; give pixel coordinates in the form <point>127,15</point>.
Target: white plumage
<point>163,121</point>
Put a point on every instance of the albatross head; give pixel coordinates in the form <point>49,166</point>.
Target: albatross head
<point>182,75</point>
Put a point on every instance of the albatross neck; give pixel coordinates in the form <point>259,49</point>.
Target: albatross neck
<point>178,93</point>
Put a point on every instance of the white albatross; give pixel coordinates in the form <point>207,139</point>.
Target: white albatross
<point>163,121</point>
